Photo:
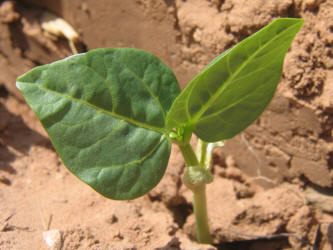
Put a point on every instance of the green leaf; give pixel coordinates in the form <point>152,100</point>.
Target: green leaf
<point>105,114</point>
<point>235,88</point>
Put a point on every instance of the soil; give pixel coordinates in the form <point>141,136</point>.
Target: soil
<point>273,183</point>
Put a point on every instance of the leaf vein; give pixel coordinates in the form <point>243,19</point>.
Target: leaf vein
<point>68,125</point>
<point>232,77</point>
<point>146,87</point>
<point>110,113</point>
<point>117,126</point>
<point>142,159</point>
<point>231,105</point>
<point>100,76</point>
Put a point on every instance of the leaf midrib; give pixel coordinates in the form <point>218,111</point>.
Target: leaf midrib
<point>231,105</point>
<point>240,99</point>
<point>206,106</point>
<point>110,113</point>
<point>146,86</point>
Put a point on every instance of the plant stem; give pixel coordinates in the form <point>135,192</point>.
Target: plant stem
<point>188,154</point>
<point>199,197</point>
<point>202,153</point>
<point>201,216</point>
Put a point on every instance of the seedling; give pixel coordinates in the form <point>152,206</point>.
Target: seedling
<point>112,114</point>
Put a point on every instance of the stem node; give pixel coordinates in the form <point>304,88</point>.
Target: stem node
<point>196,178</point>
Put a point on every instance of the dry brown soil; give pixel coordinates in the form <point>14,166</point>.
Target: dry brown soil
<point>273,183</point>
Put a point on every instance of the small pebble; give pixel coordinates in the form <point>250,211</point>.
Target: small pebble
<point>53,239</point>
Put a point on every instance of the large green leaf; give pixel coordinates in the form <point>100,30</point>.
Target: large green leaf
<point>105,114</point>
<point>235,88</point>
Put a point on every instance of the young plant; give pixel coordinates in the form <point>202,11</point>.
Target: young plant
<point>112,114</point>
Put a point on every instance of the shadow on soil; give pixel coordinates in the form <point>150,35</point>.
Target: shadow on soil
<point>15,136</point>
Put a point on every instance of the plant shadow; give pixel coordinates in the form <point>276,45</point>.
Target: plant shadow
<point>16,137</point>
